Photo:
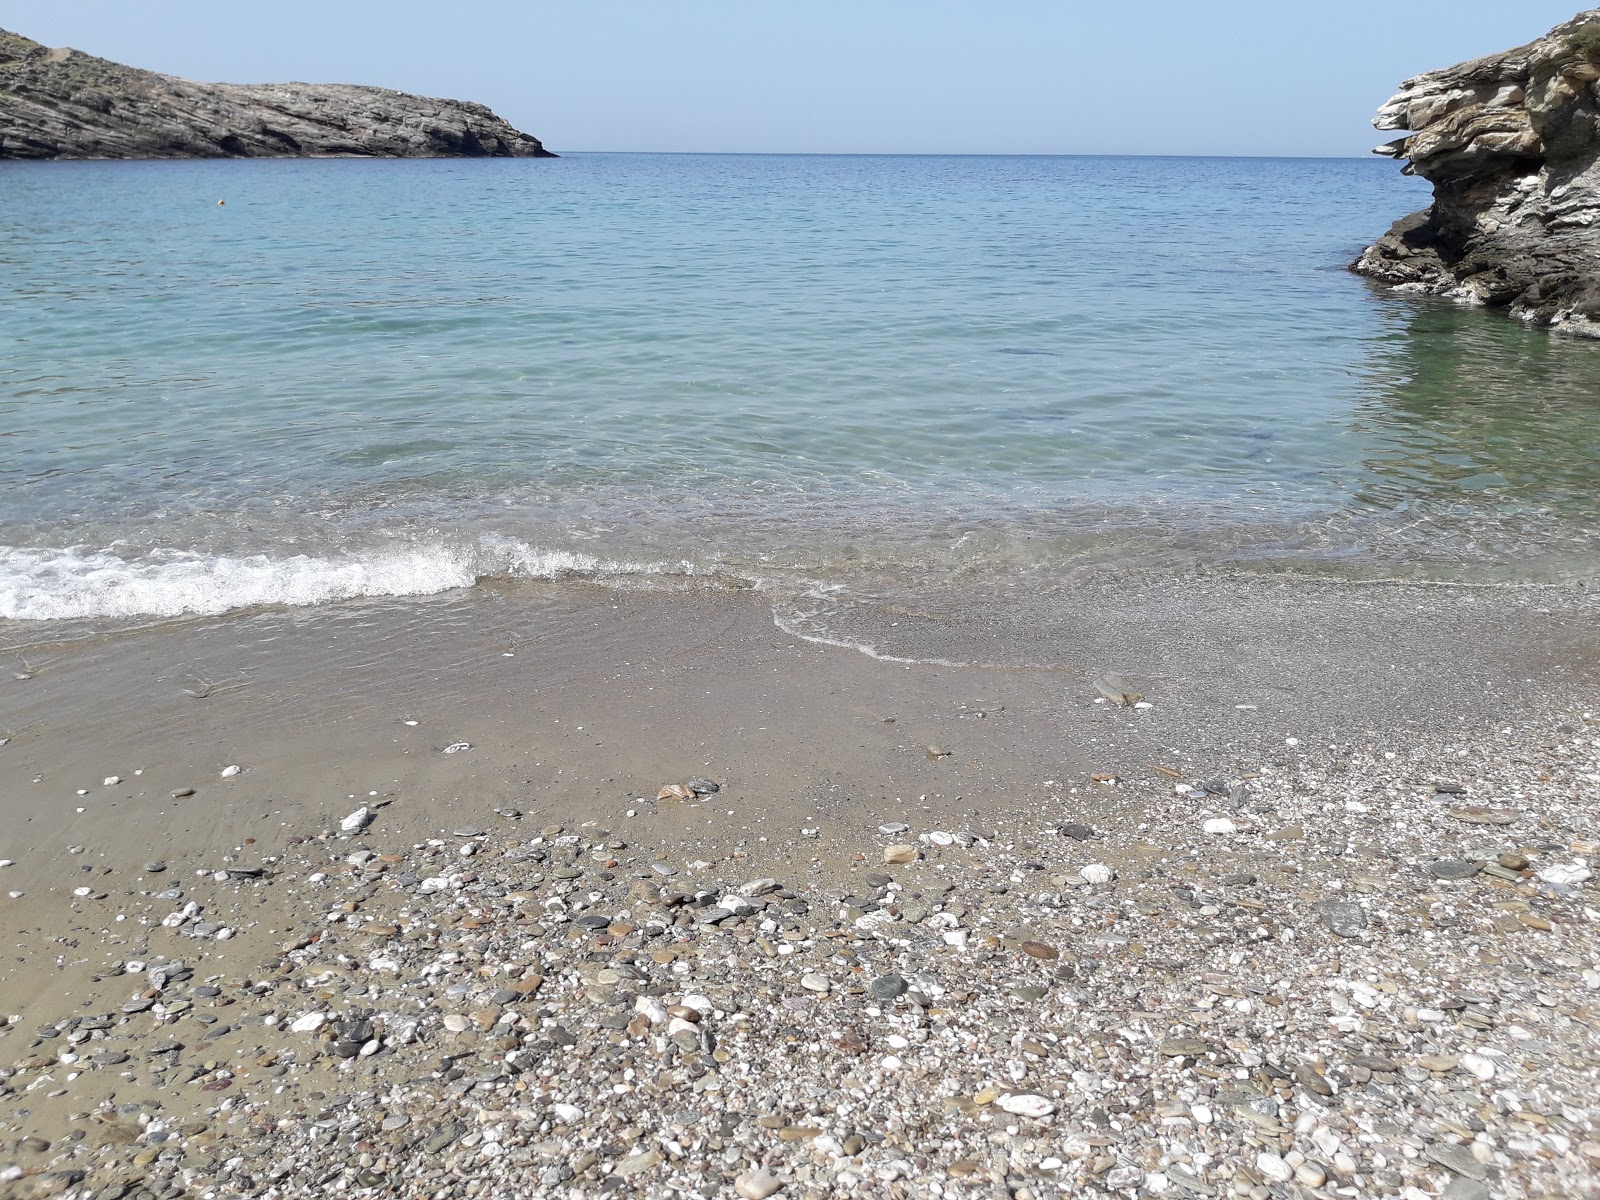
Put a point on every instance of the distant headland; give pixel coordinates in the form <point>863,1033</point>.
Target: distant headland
<point>1511,144</point>
<point>63,104</point>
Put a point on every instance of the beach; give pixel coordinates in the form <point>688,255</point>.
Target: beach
<point>1258,890</point>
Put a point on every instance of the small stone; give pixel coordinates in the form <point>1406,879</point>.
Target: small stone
<point>1478,1065</point>
<point>1456,1158</point>
<point>1077,831</point>
<point>155,868</point>
<point>356,821</point>
<point>1274,1168</point>
<point>457,1022</point>
<point>1452,868</point>
<point>757,1184</point>
<point>230,771</point>
<point>309,1023</point>
<point>899,855</point>
<point>1025,1104</point>
<point>111,781</point>
<point>1310,1175</point>
<point>813,982</point>
<point>1478,814</point>
<point>1040,950</point>
<point>1346,918</point>
<point>1097,873</point>
<point>676,791</point>
<point>1566,874</point>
<point>1463,1188</point>
<point>888,987</point>
<point>1183,1047</point>
<point>182,793</point>
<point>638,1163</point>
<point>1219,825</point>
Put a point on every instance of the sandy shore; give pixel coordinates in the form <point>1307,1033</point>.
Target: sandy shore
<point>526,972</point>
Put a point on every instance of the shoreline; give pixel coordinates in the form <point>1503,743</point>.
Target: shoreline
<point>1190,1032</point>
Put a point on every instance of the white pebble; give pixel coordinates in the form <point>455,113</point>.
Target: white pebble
<point>1478,1065</point>
<point>1025,1104</point>
<point>230,771</point>
<point>1220,825</point>
<point>1274,1168</point>
<point>1097,873</point>
<point>309,1023</point>
<point>112,780</point>
<point>356,821</point>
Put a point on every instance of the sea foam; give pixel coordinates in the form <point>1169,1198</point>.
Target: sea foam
<point>52,584</point>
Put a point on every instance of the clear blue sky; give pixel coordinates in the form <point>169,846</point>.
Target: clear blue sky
<point>1270,77</point>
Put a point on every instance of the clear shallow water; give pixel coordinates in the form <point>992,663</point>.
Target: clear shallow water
<point>889,374</point>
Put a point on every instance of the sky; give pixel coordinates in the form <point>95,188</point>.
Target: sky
<point>1245,77</point>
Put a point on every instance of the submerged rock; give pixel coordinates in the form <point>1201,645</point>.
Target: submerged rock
<point>67,104</point>
<point>1510,143</point>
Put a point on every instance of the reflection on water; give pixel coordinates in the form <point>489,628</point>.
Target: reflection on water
<point>1486,430</point>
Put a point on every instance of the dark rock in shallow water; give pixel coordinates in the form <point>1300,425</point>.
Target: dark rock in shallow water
<point>66,104</point>
<point>1511,144</point>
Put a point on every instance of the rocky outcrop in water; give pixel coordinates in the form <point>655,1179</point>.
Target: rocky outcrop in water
<point>1510,143</point>
<point>65,104</point>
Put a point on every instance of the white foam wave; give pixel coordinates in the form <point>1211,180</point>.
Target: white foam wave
<point>53,584</point>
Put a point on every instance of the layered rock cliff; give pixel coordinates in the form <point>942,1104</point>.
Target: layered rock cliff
<point>64,104</point>
<point>1510,143</point>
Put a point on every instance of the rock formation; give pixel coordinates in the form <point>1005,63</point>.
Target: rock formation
<point>1510,144</point>
<point>64,104</point>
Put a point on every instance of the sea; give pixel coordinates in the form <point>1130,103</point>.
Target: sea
<point>893,380</point>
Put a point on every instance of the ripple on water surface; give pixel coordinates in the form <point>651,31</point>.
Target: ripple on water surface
<point>890,374</point>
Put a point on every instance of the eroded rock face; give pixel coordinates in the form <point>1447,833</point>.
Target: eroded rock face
<point>1510,143</point>
<point>64,104</point>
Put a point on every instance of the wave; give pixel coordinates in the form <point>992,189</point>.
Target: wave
<point>55,584</point>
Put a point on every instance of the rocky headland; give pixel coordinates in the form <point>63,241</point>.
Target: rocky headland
<point>1510,143</point>
<point>63,104</point>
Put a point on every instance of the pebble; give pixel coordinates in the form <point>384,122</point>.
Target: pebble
<point>1452,868</point>
<point>1220,825</point>
<point>1566,874</point>
<point>1026,1104</point>
<point>230,771</point>
<point>182,793</point>
<point>757,1184</point>
<point>1274,1168</point>
<point>900,855</point>
<point>1343,917</point>
<point>1097,873</point>
<point>1456,1158</point>
<point>813,982</point>
<point>888,987</point>
<point>356,821</point>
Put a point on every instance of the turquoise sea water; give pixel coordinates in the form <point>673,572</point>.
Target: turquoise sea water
<point>397,378</point>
